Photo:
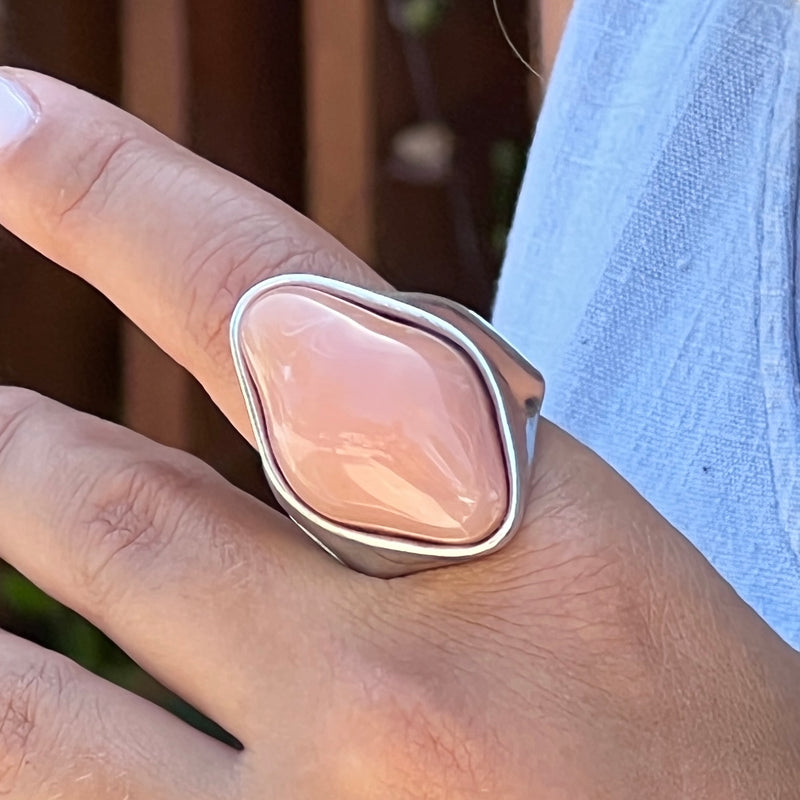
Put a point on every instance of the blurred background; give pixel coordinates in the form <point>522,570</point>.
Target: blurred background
<point>401,126</point>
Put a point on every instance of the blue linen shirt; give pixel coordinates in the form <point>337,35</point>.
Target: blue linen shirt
<point>652,270</point>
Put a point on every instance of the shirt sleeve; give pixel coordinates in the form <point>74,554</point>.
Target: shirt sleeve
<point>652,270</point>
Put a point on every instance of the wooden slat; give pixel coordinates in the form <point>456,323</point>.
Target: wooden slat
<point>155,79</point>
<point>341,119</point>
<point>157,392</point>
<point>246,61</point>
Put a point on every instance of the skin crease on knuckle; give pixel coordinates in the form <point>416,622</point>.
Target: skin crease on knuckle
<point>33,700</point>
<point>56,739</point>
<point>245,251</point>
<point>127,518</point>
<point>242,244</point>
<point>122,506</point>
<point>99,163</point>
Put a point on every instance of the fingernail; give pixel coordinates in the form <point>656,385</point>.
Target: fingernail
<point>17,112</point>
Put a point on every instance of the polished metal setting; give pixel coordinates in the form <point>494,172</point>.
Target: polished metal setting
<point>516,390</point>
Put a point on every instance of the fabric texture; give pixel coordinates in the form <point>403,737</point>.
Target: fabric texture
<point>652,270</point>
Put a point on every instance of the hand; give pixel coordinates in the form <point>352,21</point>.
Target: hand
<point>597,656</point>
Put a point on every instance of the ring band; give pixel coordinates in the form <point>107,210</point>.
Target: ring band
<point>396,429</point>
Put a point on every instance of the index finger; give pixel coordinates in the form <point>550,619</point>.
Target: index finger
<point>169,238</point>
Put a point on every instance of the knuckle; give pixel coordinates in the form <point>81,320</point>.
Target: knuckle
<point>237,248</point>
<point>92,173</point>
<point>223,267</point>
<point>127,518</point>
<point>32,698</point>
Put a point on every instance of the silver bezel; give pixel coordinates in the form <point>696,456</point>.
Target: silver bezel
<point>378,553</point>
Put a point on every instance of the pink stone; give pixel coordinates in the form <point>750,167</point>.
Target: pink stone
<point>374,423</point>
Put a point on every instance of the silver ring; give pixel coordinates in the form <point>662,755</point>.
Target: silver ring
<point>512,389</point>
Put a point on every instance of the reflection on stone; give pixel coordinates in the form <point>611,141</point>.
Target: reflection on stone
<point>375,424</point>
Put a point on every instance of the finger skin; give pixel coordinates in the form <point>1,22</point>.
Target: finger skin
<point>172,240</point>
<point>67,734</point>
<point>194,579</point>
<point>596,598</point>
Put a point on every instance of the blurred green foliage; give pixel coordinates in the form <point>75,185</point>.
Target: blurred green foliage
<point>420,17</point>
